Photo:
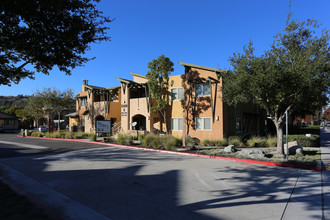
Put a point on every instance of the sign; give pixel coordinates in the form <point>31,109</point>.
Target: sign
<point>103,126</point>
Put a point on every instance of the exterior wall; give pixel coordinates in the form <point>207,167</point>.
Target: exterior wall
<point>125,106</point>
<point>200,107</point>
<point>73,122</point>
<point>176,106</point>
<point>106,109</point>
<point>9,124</point>
<point>114,108</point>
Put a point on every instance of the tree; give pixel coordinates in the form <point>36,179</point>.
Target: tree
<point>55,101</point>
<point>44,34</point>
<point>326,114</point>
<point>294,72</point>
<point>12,110</point>
<point>158,77</point>
<point>35,108</point>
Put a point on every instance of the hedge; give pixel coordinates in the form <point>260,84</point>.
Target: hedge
<point>305,141</point>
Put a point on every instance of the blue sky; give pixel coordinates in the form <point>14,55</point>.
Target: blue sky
<point>202,32</point>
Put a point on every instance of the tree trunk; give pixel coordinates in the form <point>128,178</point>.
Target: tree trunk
<point>279,132</point>
<point>59,124</point>
<point>165,122</point>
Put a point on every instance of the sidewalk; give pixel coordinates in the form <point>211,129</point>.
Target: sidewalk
<point>325,149</point>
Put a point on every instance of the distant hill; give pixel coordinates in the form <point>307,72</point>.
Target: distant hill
<point>8,101</point>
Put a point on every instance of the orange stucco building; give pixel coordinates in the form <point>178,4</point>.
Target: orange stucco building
<point>195,109</point>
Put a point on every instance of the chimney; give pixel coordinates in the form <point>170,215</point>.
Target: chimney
<point>85,82</point>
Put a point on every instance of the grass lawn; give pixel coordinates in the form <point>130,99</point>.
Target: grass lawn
<point>14,206</point>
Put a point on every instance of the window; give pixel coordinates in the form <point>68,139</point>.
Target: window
<point>177,94</point>
<point>203,124</point>
<point>177,124</point>
<point>82,122</point>
<point>202,90</point>
<point>83,102</point>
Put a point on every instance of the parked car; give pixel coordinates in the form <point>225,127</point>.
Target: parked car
<point>42,128</point>
<point>2,129</point>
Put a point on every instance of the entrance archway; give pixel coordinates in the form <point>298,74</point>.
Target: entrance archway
<point>99,118</point>
<point>140,122</point>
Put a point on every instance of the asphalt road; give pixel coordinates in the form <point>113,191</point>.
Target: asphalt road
<point>78,180</point>
<point>13,146</point>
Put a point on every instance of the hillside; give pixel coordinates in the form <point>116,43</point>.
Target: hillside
<point>8,101</point>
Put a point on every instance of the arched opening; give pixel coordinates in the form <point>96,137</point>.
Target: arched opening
<point>99,118</point>
<point>140,122</point>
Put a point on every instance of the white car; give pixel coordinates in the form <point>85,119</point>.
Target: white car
<point>42,128</point>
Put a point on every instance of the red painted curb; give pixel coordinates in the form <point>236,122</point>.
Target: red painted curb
<point>191,154</point>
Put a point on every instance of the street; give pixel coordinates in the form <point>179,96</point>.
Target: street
<point>13,146</point>
<point>120,183</point>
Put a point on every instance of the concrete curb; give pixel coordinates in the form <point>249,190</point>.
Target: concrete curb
<point>318,168</point>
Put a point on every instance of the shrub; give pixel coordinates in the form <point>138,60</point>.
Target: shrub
<point>140,137</point>
<point>222,142</point>
<point>48,135</point>
<point>68,135</point>
<point>55,135</point>
<point>271,141</point>
<point>108,140</point>
<point>79,135</point>
<point>170,142</point>
<point>124,139</point>
<point>257,142</point>
<point>152,141</point>
<point>192,141</point>
<point>52,135</point>
<point>304,141</point>
<point>234,140</point>
<point>205,142</point>
<point>92,137</point>
<point>36,134</point>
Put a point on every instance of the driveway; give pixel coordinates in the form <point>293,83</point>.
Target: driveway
<point>119,183</point>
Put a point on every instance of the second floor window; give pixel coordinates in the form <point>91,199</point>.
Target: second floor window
<point>177,94</point>
<point>83,102</point>
<point>202,90</point>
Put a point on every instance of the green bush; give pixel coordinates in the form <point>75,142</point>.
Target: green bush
<point>140,137</point>
<point>37,134</point>
<point>271,141</point>
<point>167,142</point>
<point>152,141</point>
<point>257,142</point>
<point>108,140</point>
<point>234,140</point>
<point>305,141</point>
<point>222,142</point>
<point>170,142</point>
<point>80,135</point>
<point>68,135</point>
<point>206,142</point>
<point>52,135</point>
<point>191,141</point>
<point>124,139</point>
<point>92,137</point>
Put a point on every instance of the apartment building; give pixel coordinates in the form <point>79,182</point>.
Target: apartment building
<point>195,109</point>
